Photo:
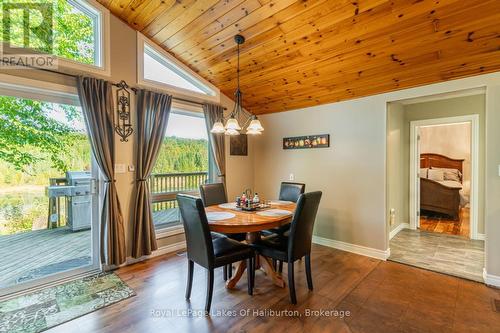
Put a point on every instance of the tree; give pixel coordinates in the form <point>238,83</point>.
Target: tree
<point>26,124</point>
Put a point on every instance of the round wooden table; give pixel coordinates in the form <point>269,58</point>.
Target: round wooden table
<point>252,224</point>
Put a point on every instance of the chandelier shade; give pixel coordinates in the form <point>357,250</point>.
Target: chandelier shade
<point>232,126</point>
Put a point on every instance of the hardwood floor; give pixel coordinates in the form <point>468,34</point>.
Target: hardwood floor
<point>381,297</point>
<point>444,225</point>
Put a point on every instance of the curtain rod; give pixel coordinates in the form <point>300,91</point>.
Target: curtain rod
<point>120,84</point>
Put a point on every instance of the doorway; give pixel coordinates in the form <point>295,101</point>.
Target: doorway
<point>435,183</point>
<point>48,191</point>
<point>444,158</point>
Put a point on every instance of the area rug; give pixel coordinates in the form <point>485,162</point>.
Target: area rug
<point>49,307</point>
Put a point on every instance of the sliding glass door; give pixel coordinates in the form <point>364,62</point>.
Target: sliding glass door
<point>48,192</point>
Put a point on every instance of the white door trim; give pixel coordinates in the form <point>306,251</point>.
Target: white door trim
<point>414,166</point>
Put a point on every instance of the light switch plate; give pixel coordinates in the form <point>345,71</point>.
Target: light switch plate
<point>119,168</point>
<point>291,177</point>
<point>131,168</point>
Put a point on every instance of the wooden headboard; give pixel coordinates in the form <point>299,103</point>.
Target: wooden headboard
<point>440,161</point>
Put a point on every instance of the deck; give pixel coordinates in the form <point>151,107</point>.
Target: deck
<point>30,255</point>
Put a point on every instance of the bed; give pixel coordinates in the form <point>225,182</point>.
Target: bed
<point>441,194</point>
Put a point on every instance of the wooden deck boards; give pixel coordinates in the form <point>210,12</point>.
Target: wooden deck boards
<point>31,254</point>
<point>22,254</point>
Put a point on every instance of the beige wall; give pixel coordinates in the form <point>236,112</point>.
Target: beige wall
<point>452,140</point>
<point>123,67</point>
<point>397,153</point>
<point>353,172</point>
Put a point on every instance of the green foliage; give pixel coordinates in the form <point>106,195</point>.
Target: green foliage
<point>28,134</point>
<point>72,31</point>
<point>182,155</point>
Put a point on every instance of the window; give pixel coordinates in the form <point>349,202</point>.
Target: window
<point>159,69</point>
<point>79,31</point>
<point>182,165</point>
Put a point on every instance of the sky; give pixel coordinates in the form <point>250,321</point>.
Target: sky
<point>179,125</point>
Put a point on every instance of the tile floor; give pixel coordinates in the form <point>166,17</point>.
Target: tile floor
<point>447,254</point>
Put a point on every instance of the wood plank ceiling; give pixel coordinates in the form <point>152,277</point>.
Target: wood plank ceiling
<point>309,52</point>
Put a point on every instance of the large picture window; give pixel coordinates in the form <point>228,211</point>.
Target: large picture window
<point>182,165</point>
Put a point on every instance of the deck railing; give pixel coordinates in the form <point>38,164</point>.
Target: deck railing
<point>164,187</point>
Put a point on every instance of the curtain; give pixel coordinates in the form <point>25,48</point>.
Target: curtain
<point>215,113</point>
<point>96,101</point>
<point>153,110</point>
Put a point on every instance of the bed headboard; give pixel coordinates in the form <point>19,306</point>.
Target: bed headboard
<point>440,161</point>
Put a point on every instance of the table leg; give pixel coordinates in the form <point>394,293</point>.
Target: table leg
<point>231,283</point>
<point>261,262</point>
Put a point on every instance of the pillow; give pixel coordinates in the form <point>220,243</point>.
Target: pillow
<point>423,172</point>
<point>437,175</point>
<point>451,174</point>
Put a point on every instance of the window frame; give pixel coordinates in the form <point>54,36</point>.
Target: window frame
<point>193,111</point>
<point>144,43</point>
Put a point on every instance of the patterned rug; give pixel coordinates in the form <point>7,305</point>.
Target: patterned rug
<point>49,307</point>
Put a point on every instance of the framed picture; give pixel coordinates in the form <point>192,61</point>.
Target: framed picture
<point>238,145</point>
<point>308,141</point>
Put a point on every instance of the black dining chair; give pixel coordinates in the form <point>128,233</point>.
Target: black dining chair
<point>209,252</point>
<point>215,194</point>
<point>288,192</point>
<point>298,243</point>
<point>291,191</point>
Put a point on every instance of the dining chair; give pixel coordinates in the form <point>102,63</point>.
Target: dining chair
<point>298,243</point>
<point>215,194</point>
<point>209,252</point>
<point>288,192</point>
<point>291,191</point>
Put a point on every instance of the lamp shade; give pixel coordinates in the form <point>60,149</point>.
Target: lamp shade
<point>232,124</point>
<point>253,132</point>
<point>232,132</point>
<point>255,125</point>
<point>218,128</point>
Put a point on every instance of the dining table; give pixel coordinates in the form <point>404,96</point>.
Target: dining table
<point>228,219</point>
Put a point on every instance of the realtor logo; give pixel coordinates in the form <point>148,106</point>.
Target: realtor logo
<point>27,35</point>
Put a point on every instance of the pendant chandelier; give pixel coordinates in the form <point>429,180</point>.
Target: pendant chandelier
<point>232,126</point>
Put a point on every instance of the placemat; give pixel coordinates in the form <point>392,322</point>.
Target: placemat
<point>274,212</point>
<point>217,216</point>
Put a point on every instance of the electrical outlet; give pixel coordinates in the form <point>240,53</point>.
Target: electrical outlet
<point>131,168</point>
<point>291,177</point>
<point>392,218</point>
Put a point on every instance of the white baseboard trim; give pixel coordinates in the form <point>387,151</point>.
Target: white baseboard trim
<point>480,237</point>
<point>396,230</point>
<point>161,251</point>
<point>491,280</point>
<point>358,249</point>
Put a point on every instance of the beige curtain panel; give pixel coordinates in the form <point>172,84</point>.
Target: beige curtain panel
<point>217,142</point>
<point>153,110</point>
<point>96,101</point>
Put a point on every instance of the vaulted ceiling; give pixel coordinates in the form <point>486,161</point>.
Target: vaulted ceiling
<point>309,52</point>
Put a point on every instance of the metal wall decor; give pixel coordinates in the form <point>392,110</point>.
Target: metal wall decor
<point>123,126</point>
<point>308,141</point>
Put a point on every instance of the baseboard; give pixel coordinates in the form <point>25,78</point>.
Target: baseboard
<point>161,251</point>
<point>396,230</point>
<point>491,280</point>
<point>358,249</point>
<point>480,237</point>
